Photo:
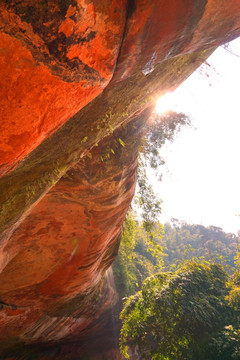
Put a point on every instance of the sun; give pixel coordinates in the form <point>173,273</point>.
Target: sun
<point>165,103</point>
<point>177,101</point>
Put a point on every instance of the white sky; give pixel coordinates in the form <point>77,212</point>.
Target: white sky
<point>201,182</point>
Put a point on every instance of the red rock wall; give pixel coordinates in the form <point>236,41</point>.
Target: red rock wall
<point>58,256</point>
<point>63,205</point>
<point>56,56</point>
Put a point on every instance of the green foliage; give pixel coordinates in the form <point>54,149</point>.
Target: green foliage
<point>234,297</point>
<point>128,236</point>
<point>175,314</point>
<point>142,253</point>
<point>183,314</point>
<point>150,205</point>
<point>183,241</point>
<point>131,267</point>
<point>154,236</point>
<point>161,128</point>
<point>187,314</point>
<point>225,345</point>
<point>124,276</point>
<point>237,264</point>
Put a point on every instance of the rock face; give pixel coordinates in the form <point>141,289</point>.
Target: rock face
<point>78,83</point>
<point>56,57</point>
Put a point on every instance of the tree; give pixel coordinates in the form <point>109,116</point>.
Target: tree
<point>225,345</point>
<point>175,314</point>
<point>160,128</point>
<point>138,258</point>
<point>124,274</point>
<point>183,241</point>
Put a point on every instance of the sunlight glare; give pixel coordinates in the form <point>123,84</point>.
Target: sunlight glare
<point>165,103</point>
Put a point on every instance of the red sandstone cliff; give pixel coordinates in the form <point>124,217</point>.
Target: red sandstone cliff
<point>77,76</point>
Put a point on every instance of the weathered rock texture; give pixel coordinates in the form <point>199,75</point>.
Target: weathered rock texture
<point>78,81</point>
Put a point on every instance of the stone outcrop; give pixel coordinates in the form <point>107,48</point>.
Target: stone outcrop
<point>79,79</point>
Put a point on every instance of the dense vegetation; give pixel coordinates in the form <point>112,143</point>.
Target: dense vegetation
<point>183,241</point>
<point>134,262</point>
<point>175,314</point>
<point>182,281</point>
<point>189,313</point>
<point>175,243</point>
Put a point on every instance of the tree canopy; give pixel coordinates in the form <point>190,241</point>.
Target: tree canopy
<point>193,312</point>
<point>175,314</point>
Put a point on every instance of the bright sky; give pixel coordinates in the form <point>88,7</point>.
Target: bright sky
<point>201,182</point>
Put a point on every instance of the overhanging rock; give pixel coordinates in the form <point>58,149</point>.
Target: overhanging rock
<point>78,82</point>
